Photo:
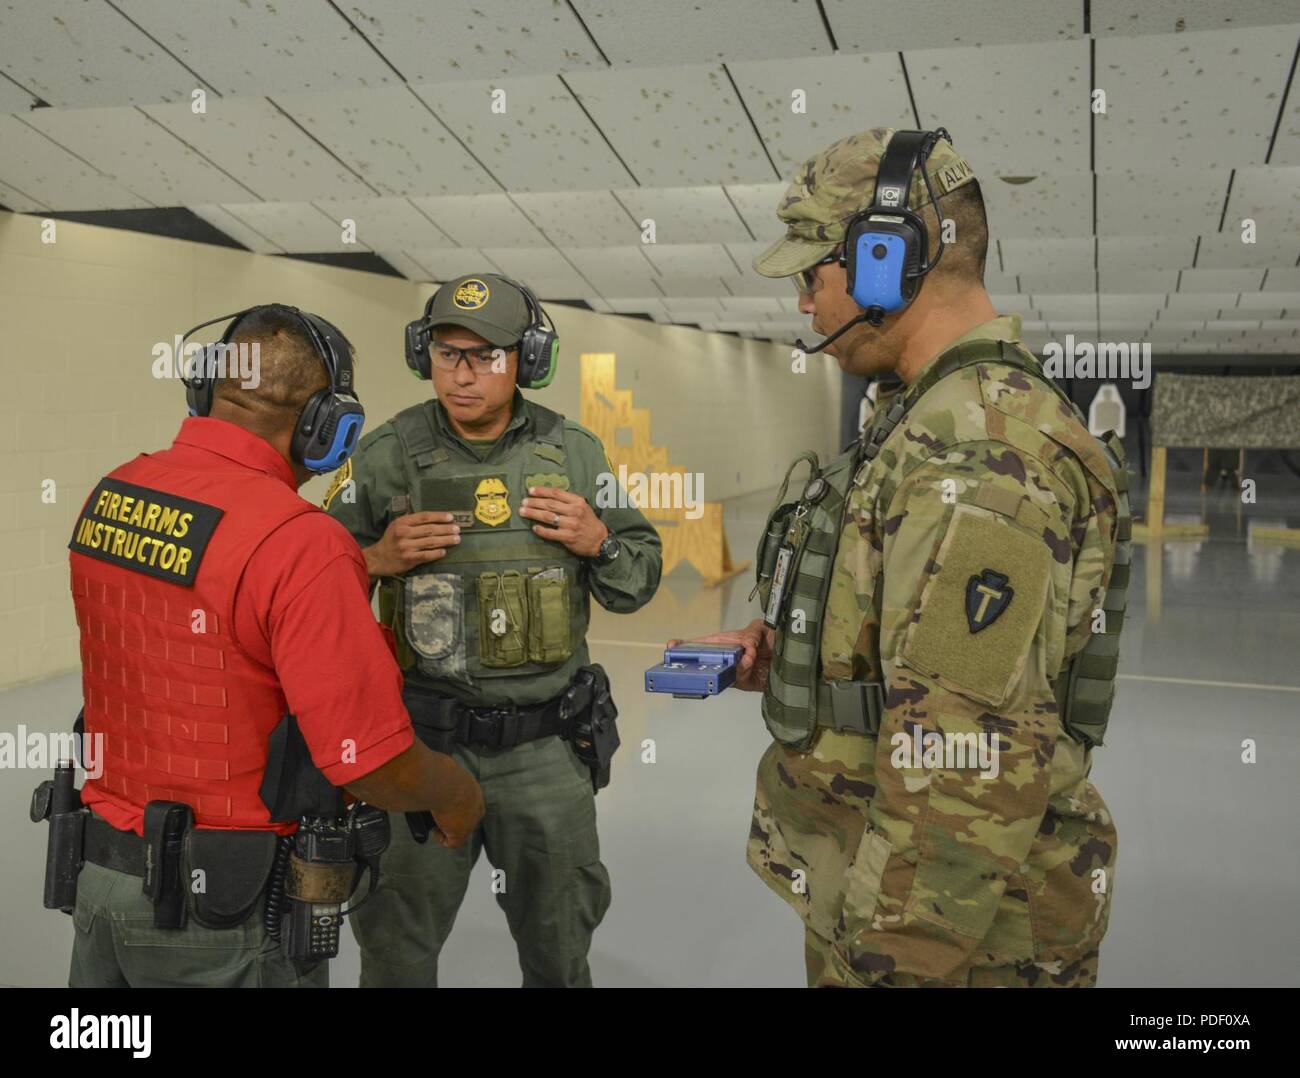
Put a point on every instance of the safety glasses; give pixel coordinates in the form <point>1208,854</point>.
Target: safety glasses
<point>805,281</point>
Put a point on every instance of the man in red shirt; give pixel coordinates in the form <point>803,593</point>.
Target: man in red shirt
<point>225,621</point>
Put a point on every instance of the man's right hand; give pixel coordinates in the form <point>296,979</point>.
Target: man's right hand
<point>421,780</point>
<point>454,825</point>
<point>411,540</point>
<point>755,665</point>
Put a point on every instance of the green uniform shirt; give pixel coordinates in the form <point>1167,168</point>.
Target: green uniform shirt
<point>381,472</point>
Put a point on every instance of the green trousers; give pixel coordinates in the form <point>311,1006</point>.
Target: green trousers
<point>117,946</point>
<point>539,834</point>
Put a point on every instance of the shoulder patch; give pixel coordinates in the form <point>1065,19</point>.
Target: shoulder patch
<point>147,531</point>
<point>978,611</point>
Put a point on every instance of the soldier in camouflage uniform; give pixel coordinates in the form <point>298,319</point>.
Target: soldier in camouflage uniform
<point>481,517</point>
<point>977,558</point>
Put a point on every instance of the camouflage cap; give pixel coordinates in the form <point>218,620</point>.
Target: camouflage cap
<point>483,303</point>
<point>832,186</point>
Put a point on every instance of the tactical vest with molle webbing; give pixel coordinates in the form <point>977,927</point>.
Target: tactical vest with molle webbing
<point>502,616</point>
<point>796,557</point>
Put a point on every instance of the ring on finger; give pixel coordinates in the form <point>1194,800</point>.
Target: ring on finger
<point>556,519</point>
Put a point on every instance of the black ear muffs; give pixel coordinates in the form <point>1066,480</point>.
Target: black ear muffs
<point>417,343</point>
<point>539,347</point>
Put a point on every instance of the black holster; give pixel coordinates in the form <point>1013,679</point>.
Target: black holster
<point>590,715</point>
<point>59,801</point>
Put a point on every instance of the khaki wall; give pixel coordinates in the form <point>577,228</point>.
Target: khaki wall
<point>79,319</point>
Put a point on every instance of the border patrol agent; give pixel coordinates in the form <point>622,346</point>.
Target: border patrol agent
<point>212,600</point>
<point>955,580</point>
<point>475,512</point>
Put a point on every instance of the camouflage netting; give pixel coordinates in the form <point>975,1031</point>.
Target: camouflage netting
<point>1226,412</point>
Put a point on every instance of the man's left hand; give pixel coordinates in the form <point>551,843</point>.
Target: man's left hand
<point>565,518</point>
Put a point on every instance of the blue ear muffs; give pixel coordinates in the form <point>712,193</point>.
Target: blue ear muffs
<point>330,423</point>
<point>886,245</point>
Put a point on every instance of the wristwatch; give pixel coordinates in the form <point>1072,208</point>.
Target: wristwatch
<point>608,551</point>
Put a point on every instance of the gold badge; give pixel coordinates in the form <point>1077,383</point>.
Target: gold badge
<point>491,507</point>
<point>342,477</point>
<point>471,295</point>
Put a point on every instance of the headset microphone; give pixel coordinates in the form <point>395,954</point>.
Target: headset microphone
<point>886,245</point>
<point>865,316</point>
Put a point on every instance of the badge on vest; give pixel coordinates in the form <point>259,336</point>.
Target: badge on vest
<point>490,505</point>
<point>987,595</point>
<point>146,531</point>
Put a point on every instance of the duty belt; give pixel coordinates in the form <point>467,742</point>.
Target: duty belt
<point>441,722</point>
<point>108,847</point>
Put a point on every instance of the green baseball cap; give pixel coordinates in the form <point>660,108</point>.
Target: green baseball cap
<point>484,303</point>
<point>834,185</point>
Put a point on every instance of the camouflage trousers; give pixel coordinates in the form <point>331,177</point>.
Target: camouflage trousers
<point>828,968</point>
<point>117,945</point>
<point>539,833</point>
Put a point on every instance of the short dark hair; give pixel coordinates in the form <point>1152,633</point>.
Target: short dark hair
<point>289,367</point>
<point>963,259</point>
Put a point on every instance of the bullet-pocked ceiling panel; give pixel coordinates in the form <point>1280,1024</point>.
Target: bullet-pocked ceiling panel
<point>1144,252</point>
<point>407,266</point>
<point>1046,255</point>
<point>1282,280</point>
<point>386,222</point>
<point>1038,205</point>
<point>675,126</point>
<point>13,98</point>
<point>1221,280</point>
<point>19,201</point>
<point>936,24</point>
<point>76,54</point>
<point>1009,109</point>
<point>801,106</point>
<point>580,218</point>
<point>140,154</point>
<point>469,39</point>
<point>391,139</point>
<point>702,259</point>
<point>550,274</point>
<point>1278,247</point>
<point>294,226</point>
<point>221,218</point>
<point>258,47</point>
<point>1190,101</point>
<point>444,263</point>
<point>616,271</point>
<point>1268,196</point>
<point>1178,202</point>
<point>43,169</point>
<point>529,133</point>
<point>636,33</point>
<point>756,203</point>
<point>481,221</point>
<point>262,148</point>
<point>1124,17</point>
<point>685,214</point>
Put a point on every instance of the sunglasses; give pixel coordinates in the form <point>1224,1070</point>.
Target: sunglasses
<point>805,281</point>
